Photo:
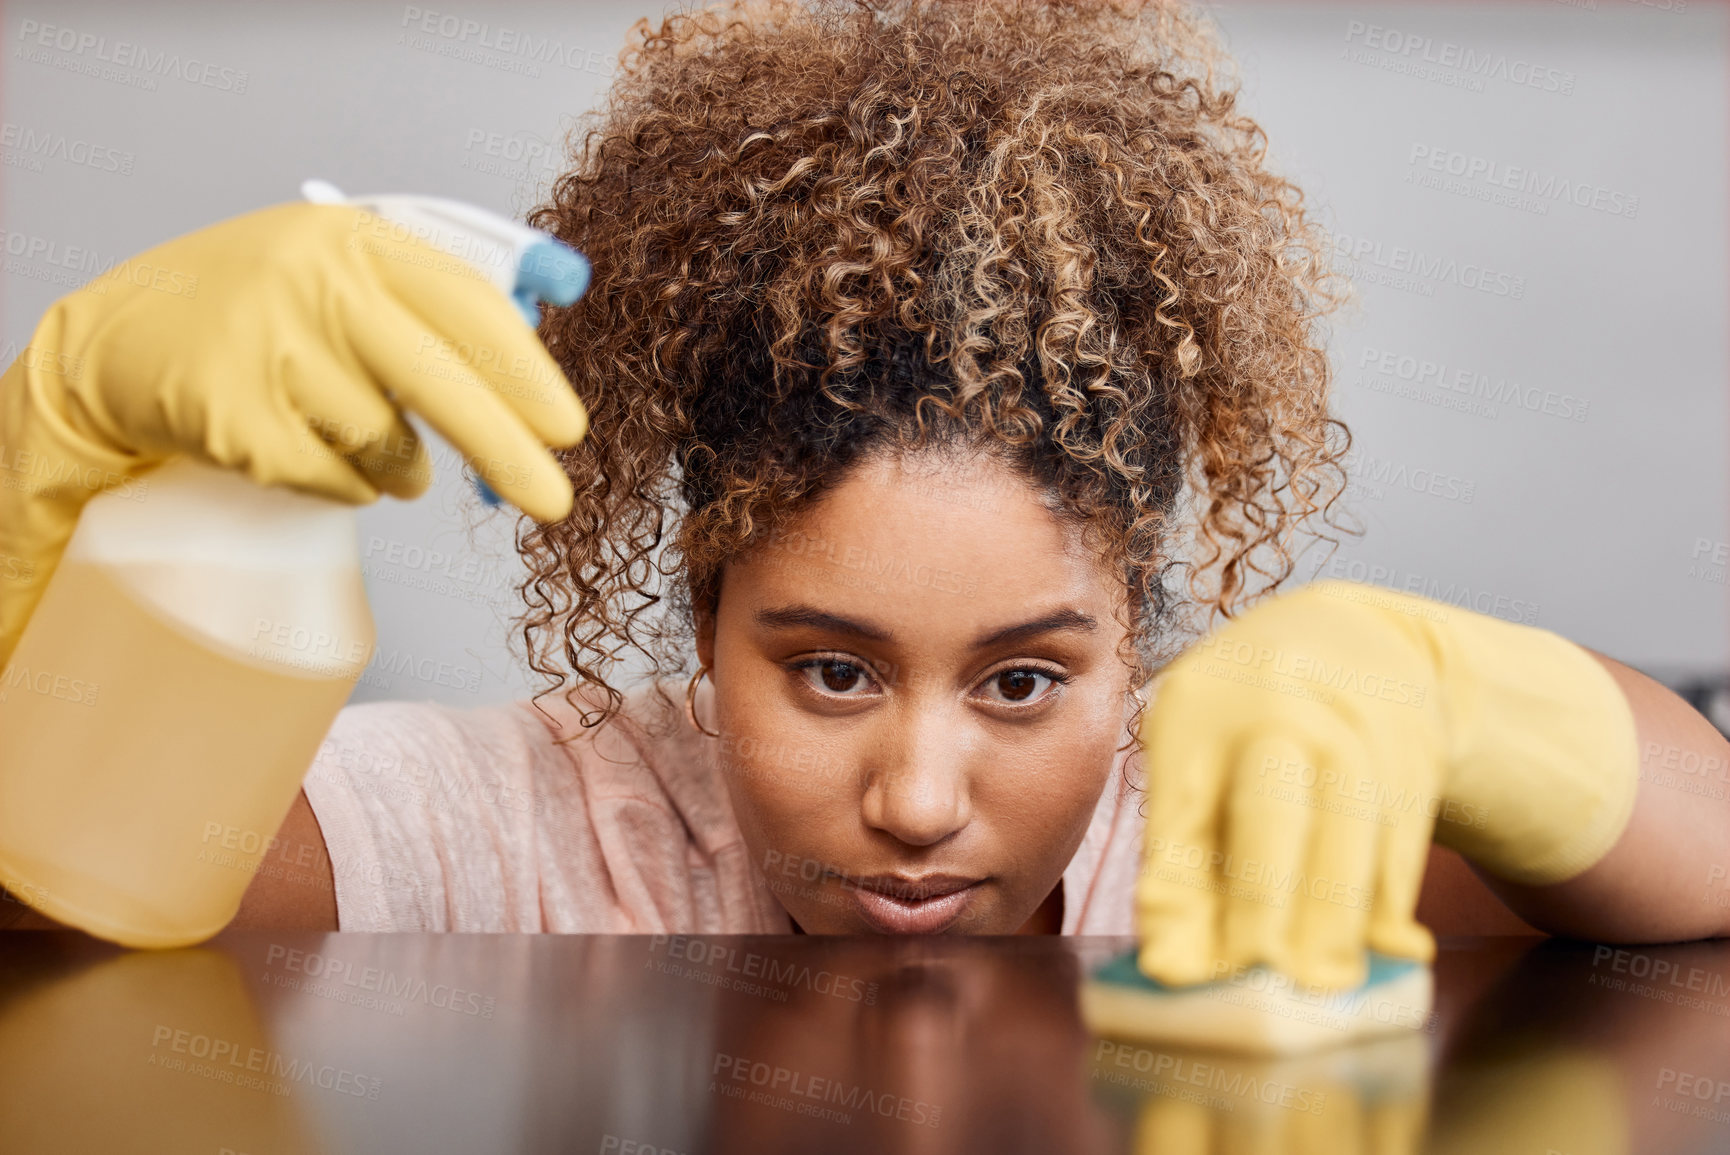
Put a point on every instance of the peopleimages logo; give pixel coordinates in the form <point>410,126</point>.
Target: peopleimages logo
<point>724,961</point>
<point>514,155</point>
<point>255,1068</point>
<point>1529,181</point>
<point>381,981</point>
<point>40,144</point>
<point>1461,595</point>
<point>807,1094</point>
<point>512,45</point>
<point>1372,476</point>
<point>1473,384</point>
<point>90,51</point>
<point>48,251</point>
<point>1363,253</point>
<point>1465,62</point>
<point>1292,667</point>
<point>1226,1078</point>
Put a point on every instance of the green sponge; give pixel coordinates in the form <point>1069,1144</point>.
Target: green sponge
<point>1253,1010</point>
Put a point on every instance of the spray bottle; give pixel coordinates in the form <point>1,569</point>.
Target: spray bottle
<point>218,626</point>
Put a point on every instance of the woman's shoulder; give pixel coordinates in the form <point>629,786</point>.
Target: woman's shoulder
<point>427,724</point>
<point>643,722</point>
<point>643,751</point>
<point>518,816</point>
<point>571,727</point>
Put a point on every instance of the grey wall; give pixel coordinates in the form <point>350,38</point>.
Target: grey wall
<point>1566,458</point>
<point>1534,375</point>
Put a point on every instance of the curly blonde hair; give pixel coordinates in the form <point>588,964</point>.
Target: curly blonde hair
<point>824,230</point>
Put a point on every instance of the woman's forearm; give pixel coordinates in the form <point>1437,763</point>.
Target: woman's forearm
<point>302,899</point>
<point>1668,876</point>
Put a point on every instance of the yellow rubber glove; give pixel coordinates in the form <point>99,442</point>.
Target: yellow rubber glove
<point>285,343</point>
<point>1300,759</point>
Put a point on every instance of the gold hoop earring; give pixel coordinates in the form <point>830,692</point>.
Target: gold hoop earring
<point>691,703</point>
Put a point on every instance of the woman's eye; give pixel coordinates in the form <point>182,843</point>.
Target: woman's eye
<point>1020,685</point>
<point>834,676</point>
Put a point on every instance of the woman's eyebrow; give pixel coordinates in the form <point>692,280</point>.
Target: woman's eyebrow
<point>1064,619</point>
<point>788,617</point>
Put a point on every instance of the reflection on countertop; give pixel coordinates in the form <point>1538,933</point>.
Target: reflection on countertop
<point>646,1045</point>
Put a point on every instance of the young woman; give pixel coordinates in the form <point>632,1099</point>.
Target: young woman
<point>940,359</point>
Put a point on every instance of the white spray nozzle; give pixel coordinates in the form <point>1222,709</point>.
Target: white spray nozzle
<point>527,265</point>
<point>493,244</point>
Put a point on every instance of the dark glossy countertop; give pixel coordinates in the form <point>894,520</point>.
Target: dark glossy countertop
<point>268,1043</point>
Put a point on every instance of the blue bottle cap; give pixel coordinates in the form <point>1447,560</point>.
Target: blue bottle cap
<point>549,271</point>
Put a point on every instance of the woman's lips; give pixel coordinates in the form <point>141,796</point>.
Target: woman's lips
<point>896,905</point>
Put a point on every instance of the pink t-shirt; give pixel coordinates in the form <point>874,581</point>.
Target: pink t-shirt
<point>445,819</point>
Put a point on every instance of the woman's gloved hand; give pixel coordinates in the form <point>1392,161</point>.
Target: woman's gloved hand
<point>1300,759</point>
<point>285,343</point>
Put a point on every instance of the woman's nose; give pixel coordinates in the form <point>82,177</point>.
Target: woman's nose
<point>918,789</point>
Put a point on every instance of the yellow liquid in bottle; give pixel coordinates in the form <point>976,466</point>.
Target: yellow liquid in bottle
<point>144,769</point>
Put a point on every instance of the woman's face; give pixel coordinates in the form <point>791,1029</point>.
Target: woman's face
<point>919,694</point>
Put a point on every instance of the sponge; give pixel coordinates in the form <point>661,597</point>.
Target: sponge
<point>1253,1010</point>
